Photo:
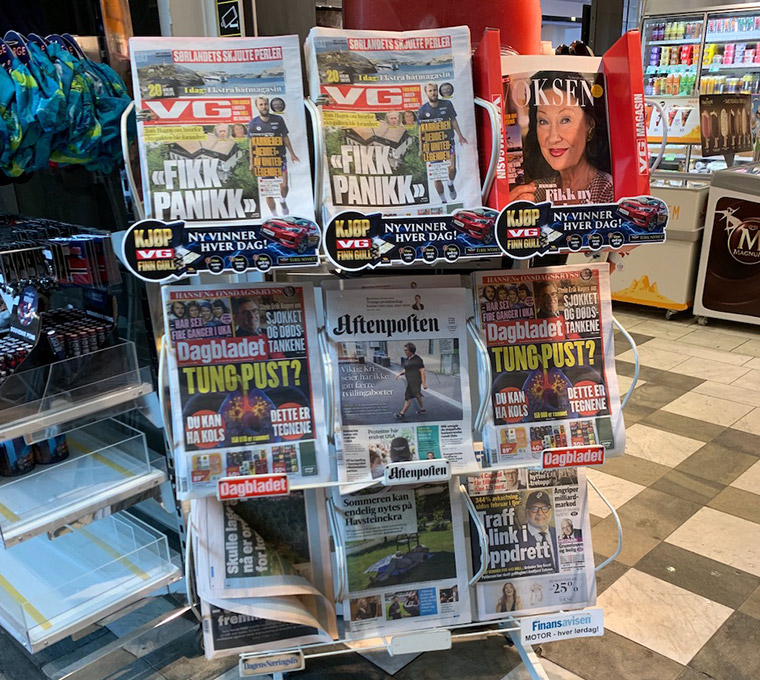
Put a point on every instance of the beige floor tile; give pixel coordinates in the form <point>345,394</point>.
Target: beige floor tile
<point>710,409</point>
<point>660,616</point>
<point>659,446</point>
<point>705,338</point>
<point>663,329</point>
<point>624,384</point>
<point>628,321</point>
<point>617,491</point>
<point>750,380</point>
<point>654,358</point>
<point>740,395</point>
<point>733,358</point>
<point>553,672</point>
<point>698,367</point>
<point>749,480</point>
<point>749,423</point>
<point>750,347</point>
<point>752,363</point>
<point>721,537</point>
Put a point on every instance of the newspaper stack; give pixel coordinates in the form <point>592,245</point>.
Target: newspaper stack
<point>538,534</point>
<point>398,118</point>
<point>222,129</point>
<point>263,573</point>
<point>550,343</point>
<point>245,383</point>
<point>401,378</point>
<point>406,566</point>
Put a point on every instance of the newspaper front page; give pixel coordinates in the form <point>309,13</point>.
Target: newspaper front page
<point>222,129</point>
<point>400,362</point>
<point>550,343</point>
<point>398,118</point>
<point>246,392</point>
<point>540,557</point>
<point>405,559</point>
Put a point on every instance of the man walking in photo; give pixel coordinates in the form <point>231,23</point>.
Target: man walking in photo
<point>414,372</point>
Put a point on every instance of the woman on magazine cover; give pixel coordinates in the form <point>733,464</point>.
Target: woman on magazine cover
<point>509,600</point>
<point>566,150</point>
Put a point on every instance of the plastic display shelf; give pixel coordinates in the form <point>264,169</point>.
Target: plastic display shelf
<point>39,403</point>
<point>51,589</point>
<point>108,469</point>
<point>754,67</point>
<point>739,36</point>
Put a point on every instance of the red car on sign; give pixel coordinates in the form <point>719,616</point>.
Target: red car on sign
<point>643,212</point>
<point>291,232</point>
<point>475,225</point>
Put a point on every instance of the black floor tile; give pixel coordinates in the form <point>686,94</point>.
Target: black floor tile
<point>608,575</point>
<point>716,463</point>
<point>689,487</point>
<point>655,395</point>
<point>733,653</point>
<point>635,469</point>
<point>736,440</point>
<point>656,514</point>
<point>708,578</point>
<point>737,502</point>
<point>686,427</point>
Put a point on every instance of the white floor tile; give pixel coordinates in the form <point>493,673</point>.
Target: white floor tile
<point>753,363</point>
<point>721,537</point>
<point>654,358</point>
<point>705,352</point>
<point>729,392</point>
<point>659,446</point>
<point>660,616</point>
<point>697,367</point>
<point>617,491</point>
<point>749,423</point>
<point>705,338</point>
<point>710,409</point>
<point>663,329</point>
<point>749,480</point>
<point>553,672</point>
<point>750,380</point>
<point>628,321</point>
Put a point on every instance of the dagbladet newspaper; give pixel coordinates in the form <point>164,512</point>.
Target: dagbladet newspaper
<point>540,557</point>
<point>406,565</point>
<point>398,118</point>
<point>222,129</point>
<point>245,381</point>
<point>400,358</point>
<point>550,343</point>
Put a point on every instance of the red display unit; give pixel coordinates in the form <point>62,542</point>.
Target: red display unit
<point>621,66</point>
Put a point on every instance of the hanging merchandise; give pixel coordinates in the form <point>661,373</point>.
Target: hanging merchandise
<point>398,119</point>
<point>245,384</point>
<point>550,345</point>
<point>402,379</point>
<point>405,559</point>
<point>538,535</point>
<point>57,105</point>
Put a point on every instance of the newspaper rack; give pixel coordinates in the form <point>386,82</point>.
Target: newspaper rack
<point>431,639</point>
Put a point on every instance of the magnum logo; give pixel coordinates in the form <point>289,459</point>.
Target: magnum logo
<point>742,237</point>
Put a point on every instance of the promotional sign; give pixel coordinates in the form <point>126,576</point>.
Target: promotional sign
<point>245,384</point>
<point>549,338</point>
<point>159,251</point>
<point>525,229</point>
<point>681,118</point>
<point>561,626</point>
<point>355,241</point>
<point>725,123</point>
<point>540,556</point>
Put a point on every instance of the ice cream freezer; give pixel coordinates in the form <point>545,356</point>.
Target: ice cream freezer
<point>728,281</point>
<point>664,275</point>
